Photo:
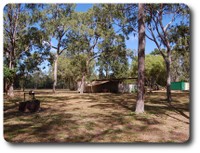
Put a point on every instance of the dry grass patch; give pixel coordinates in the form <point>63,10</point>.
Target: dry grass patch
<point>103,117</point>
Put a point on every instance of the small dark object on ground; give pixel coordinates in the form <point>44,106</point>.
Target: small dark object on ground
<point>32,106</point>
<point>31,93</point>
<point>22,106</point>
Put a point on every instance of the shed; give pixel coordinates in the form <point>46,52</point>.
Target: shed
<point>108,85</point>
<point>179,85</point>
<point>102,86</point>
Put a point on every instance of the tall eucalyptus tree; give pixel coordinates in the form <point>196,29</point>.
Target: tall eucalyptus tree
<point>160,18</point>
<point>141,59</point>
<point>20,38</point>
<point>56,21</point>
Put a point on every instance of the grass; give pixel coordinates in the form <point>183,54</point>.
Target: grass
<point>100,117</point>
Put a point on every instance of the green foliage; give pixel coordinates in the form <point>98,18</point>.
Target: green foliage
<point>23,51</point>
<point>91,41</point>
<point>180,36</point>
<point>36,80</point>
<point>180,67</point>
<point>155,72</point>
<point>70,70</point>
<point>125,16</point>
<point>8,74</point>
<point>71,67</point>
<point>157,52</point>
<point>56,21</point>
<point>113,63</point>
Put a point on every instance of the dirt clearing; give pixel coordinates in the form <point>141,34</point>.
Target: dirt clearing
<point>100,117</point>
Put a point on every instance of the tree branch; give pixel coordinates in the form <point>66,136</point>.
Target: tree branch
<point>155,41</point>
<point>26,50</point>
<point>157,30</point>
<point>62,50</point>
<point>165,39</point>
<point>149,37</point>
<point>94,44</point>
<point>54,47</point>
<point>167,26</point>
<point>93,57</point>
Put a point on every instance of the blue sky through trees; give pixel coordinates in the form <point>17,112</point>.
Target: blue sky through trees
<point>132,42</point>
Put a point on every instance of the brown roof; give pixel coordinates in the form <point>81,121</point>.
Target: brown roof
<point>94,83</point>
<point>119,79</point>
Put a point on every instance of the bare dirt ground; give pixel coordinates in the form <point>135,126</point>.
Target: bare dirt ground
<point>99,117</point>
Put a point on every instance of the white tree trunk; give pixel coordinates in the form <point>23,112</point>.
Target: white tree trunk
<point>9,88</point>
<point>11,91</point>
<point>82,85</point>
<point>55,73</point>
<point>168,64</point>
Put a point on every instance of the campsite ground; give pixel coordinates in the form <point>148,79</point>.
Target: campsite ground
<point>98,117</point>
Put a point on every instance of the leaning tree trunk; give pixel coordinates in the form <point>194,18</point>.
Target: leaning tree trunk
<point>168,63</point>
<point>141,60</point>
<point>55,73</point>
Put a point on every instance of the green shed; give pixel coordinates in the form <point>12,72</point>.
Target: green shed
<point>178,85</point>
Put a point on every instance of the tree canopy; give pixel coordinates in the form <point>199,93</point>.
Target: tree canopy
<point>72,44</point>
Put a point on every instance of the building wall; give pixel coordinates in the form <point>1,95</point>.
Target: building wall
<point>187,86</point>
<point>180,86</point>
<point>126,88</point>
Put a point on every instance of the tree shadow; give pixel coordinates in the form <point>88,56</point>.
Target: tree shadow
<point>154,105</point>
<point>16,127</point>
<point>147,120</point>
<point>180,111</point>
<point>121,100</point>
<point>53,120</point>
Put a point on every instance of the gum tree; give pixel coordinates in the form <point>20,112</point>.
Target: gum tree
<point>92,33</point>
<point>160,18</point>
<point>20,38</point>
<point>57,21</point>
<point>141,59</point>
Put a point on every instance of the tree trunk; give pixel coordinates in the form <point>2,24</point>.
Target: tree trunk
<point>141,60</point>
<point>168,63</point>
<point>24,86</point>
<point>5,87</point>
<point>106,71</point>
<point>10,90</point>
<point>55,73</point>
<point>82,84</point>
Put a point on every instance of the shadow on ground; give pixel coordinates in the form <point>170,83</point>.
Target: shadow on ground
<point>92,118</point>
